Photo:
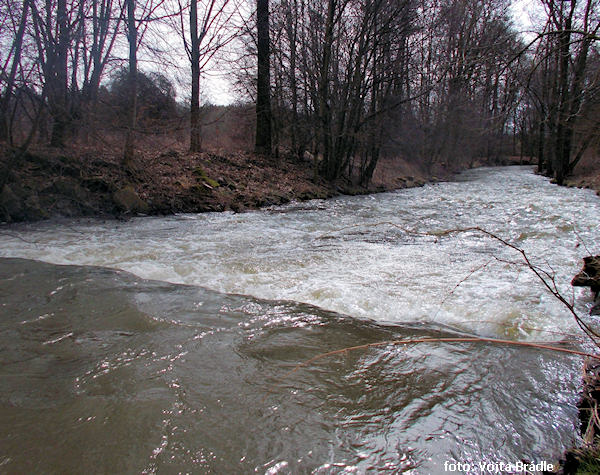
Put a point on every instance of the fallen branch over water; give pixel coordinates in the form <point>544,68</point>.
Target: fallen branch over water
<point>544,276</point>
<point>547,278</point>
<point>589,408</point>
<point>527,327</point>
<point>541,346</point>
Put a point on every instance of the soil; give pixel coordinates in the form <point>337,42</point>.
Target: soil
<point>587,173</point>
<point>589,180</point>
<point>46,183</point>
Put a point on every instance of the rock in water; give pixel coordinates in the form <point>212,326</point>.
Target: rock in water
<point>10,204</point>
<point>589,276</point>
<point>128,201</point>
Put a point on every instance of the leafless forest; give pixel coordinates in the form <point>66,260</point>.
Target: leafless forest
<point>334,84</point>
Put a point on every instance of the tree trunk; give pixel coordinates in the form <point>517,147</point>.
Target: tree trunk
<point>576,98</point>
<point>541,140</point>
<point>195,128</point>
<point>128,152</point>
<point>292,32</point>
<point>59,86</point>
<point>263,95</point>
<point>5,123</point>
<point>325,133</point>
<point>562,152</point>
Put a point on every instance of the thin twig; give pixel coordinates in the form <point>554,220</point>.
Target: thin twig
<point>581,241</point>
<point>439,340</point>
<point>464,279</point>
<point>525,328</point>
<point>16,236</point>
<point>547,279</point>
<point>539,273</point>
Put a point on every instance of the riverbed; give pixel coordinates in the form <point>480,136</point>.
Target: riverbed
<point>171,344</point>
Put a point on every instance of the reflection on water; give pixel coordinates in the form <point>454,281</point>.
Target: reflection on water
<point>105,371</point>
<point>102,370</point>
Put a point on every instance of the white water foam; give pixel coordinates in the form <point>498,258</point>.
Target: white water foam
<point>355,255</point>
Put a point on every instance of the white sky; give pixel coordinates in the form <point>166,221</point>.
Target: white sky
<point>526,13</point>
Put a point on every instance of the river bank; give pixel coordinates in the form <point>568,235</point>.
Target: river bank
<point>584,458</point>
<point>586,173</point>
<point>589,179</point>
<point>47,183</point>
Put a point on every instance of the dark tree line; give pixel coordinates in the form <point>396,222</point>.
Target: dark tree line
<point>442,82</point>
<point>562,110</point>
<point>354,80</point>
<point>58,55</point>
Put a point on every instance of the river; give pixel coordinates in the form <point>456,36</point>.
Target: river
<point>171,344</point>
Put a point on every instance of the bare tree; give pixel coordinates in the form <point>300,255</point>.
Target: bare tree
<point>209,30</point>
<point>106,20</point>
<point>263,96</point>
<point>128,151</point>
<point>564,84</point>
<point>15,57</point>
<point>52,34</point>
